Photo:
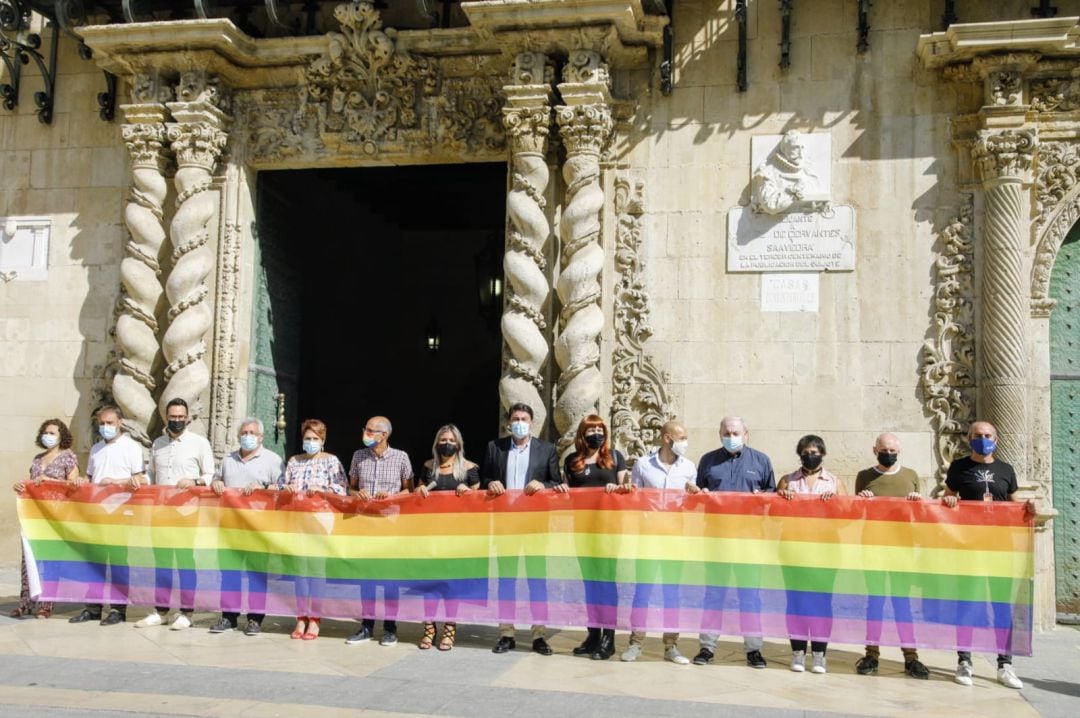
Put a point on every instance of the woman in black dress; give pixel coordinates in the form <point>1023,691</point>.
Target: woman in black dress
<point>446,470</point>
<point>596,464</point>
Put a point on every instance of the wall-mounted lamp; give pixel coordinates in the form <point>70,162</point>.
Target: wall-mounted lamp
<point>489,280</point>
<point>433,338</point>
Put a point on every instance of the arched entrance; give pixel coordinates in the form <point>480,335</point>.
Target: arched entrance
<point>1065,418</point>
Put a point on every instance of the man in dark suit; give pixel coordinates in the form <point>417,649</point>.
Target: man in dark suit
<point>521,462</point>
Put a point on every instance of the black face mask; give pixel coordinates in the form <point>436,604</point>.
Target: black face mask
<point>810,461</point>
<point>886,459</point>
<point>447,449</point>
<point>594,441</point>
<point>177,427</point>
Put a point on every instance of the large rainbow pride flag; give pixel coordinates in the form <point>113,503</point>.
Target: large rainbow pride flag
<point>850,570</point>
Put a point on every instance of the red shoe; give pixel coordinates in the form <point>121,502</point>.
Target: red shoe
<point>308,634</point>
<point>298,633</point>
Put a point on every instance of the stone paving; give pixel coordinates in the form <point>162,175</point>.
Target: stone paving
<point>53,668</point>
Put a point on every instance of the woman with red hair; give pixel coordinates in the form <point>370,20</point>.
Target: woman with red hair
<point>594,463</point>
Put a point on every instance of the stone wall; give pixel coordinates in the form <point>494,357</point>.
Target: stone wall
<point>55,334</point>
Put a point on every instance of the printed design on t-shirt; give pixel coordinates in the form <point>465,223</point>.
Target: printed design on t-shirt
<point>986,478</point>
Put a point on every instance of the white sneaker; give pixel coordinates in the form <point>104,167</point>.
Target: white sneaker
<point>963,673</point>
<point>180,622</point>
<point>671,653</point>
<point>798,661</point>
<point>632,653</point>
<point>819,663</point>
<point>1007,677</point>
<point>154,619</point>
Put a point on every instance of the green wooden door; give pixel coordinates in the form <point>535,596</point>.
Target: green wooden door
<point>1065,417</point>
<point>276,325</point>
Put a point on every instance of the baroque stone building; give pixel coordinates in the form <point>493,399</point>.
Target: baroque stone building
<point>826,217</point>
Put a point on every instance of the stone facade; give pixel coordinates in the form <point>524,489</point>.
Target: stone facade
<point>945,144</point>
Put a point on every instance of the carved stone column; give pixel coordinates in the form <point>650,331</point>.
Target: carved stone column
<point>585,126</point>
<point>198,138</point>
<point>139,306</point>
<point>527,119</point>
<point>1003,159</point>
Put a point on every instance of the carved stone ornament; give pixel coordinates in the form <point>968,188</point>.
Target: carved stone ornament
<point>467,115</point>
<point>1004,155</point>
<point>1005,87</point>
<point>948,357</point>
<point>640,404</point>
<point>1055,94</point>
<point>532,68</point>
<point>277,130</point>
<point>1058,203</point>
<point>586,67</point>
<point>149,88</point>
<point>365,87</point>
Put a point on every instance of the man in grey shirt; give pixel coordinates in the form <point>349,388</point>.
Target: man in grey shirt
<point>249,468</point>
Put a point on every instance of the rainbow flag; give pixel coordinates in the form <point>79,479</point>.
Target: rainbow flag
<point>850,570</point>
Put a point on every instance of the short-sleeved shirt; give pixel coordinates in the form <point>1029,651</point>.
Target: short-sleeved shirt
<point>897,483</point>
<point>187,456</point>
<point>388,473</point>
<point>594,474</point>
<point>56,470</point>
<point>261,467</point>
<point>448,482</point>
<point>970,479</point>
<point>121,458</point>
<point>827,483</point>
<point>747,470</point>
<point>651,473</point>
<point>318,473</point>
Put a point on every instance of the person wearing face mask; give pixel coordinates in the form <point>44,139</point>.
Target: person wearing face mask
<point>446,470</point>
<point>735,467</point>
<point>520,462</point>
<point>982,477</point>
<point>116,459</point>
<point>666,468</point>
<point>594,463</point>
<point>183,459</point>
<point>811,478</point>
<point>888,479</point>
<point>249,468</point>
<point>312,472</point>
<point>56,463</point>
<point>378,471</point>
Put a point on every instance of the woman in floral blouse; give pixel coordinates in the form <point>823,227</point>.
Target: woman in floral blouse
<point>311,472</point>
<point>56,463</point>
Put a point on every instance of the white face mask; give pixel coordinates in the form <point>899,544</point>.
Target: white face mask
<point>680,447</point>
<point>49,440</point>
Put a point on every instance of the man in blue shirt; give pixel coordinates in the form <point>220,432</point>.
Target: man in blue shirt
<point>734,468</point>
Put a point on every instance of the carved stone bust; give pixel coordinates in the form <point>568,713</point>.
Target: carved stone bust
<point>787,179</point>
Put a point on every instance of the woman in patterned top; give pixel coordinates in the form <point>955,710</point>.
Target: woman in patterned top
<point>814,479</point>
<point>56,463</point>
<point>446,470</point>
<point>311,472</point>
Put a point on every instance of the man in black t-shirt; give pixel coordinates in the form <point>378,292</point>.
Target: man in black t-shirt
<point>981,477</point>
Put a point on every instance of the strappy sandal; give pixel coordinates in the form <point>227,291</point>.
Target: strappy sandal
<point>298,633</point>
<point>43,612</point>
<point>429,636</point>
<point>310,635</point>
<point>449,634</point>
<point>18,612</point>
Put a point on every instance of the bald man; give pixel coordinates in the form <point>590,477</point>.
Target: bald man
<point>982,477</point>
<point>665,468</point>
<point>378,472</point>
<point>887,478</point>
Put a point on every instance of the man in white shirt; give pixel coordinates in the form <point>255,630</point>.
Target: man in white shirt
<point>182,459</point>
<point>665,468</point>
<point>115,459</point>
<point>249,468</point>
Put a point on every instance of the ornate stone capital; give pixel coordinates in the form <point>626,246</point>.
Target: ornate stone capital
<point>527,128</point>
<point>1002,156</point>
<point>144,143</point>
<point>527,114</point>
<point>585,129</point>
<point>197,144</point>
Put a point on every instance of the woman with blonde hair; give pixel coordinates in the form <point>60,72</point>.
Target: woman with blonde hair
<point>446,470</point>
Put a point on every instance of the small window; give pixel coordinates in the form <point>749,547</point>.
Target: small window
<point>24,248</point>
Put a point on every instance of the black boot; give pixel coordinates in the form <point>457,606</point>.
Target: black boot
<point>606,648</point>
<point>588,647</point>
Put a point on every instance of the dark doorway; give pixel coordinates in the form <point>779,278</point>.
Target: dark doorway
<point>397,273</point>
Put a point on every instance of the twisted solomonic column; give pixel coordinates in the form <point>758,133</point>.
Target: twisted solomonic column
<point>527,118</point>
<point>198,138</point>
<point>585,127</point>
<point>140,300</point>
<point>1004,160</point>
